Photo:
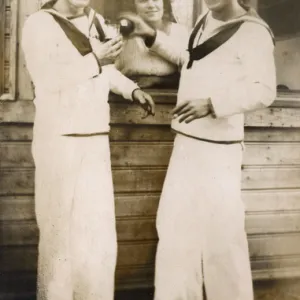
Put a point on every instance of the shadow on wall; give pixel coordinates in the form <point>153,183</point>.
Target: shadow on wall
<point>284,18</point>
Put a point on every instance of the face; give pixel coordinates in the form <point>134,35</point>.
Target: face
<point>150,10</point>
<point>217,5</point>
<point>79,3</point>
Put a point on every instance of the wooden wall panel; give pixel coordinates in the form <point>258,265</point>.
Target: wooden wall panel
<point>161,133</point>
<point>140,152</point>
<point>126,154</point>
<point>21,233</point>
<point>128,113</point>
<point>142,179</point>
<point>271,203</point>
<point>14,259</point>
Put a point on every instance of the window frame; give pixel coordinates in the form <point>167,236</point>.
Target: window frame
<point>8,52</point>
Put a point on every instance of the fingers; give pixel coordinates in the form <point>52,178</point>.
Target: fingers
<point>185,116</point>
<point>151,103</point>
<point>116,47</point>
<point>190,119</point>
<point>115,40</point>
<point>178,108</point>
<point>145,101</point>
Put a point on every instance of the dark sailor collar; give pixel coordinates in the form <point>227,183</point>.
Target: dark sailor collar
<point>220,35</point>
<point>79,40</point>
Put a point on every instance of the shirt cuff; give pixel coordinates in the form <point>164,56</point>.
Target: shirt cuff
<point>150,40</point>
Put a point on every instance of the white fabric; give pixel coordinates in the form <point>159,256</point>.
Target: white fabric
<point>183,11</point>
<point>74,205</point>
<point>200,225</point>
<point>137,59</point>
<point>238,77</point>
<point>74,198</point>
<point>71,95</point>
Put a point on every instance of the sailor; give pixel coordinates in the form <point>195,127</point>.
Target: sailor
<point>72,69</point>
<point>227,71</point>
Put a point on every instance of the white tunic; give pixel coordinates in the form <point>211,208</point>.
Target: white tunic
<point>74,197</point>
<point>238,77</point>
<point>71,95</point>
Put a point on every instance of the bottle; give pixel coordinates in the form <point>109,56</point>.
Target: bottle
<point>126,26</point>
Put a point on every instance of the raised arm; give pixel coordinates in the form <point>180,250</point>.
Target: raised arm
<point>169,48</point>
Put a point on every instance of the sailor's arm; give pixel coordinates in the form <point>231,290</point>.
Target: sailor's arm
<point>258,87</point>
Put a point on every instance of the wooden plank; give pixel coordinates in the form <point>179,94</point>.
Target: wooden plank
<point>17,112</point>
<point>10,17</point>
<point>15,154</point>
<point>26,233</point>
<point>20,208</point>
<point>270,178</point>
<point>24,259</point>
<point>161,133</point>
<point>128,113</point>
<point>20,282</point>
<point>273,223</point>
<point>141,229</point>
<point>17,181</point>
<point>143,276</point>
<point>124,154</point>
<point>274,117</point>
<point>134,277</point>
<point>272,154</point>
<point>20,181</point>
<point>265,134</point>
<point>2,45</point>
<point>275,267</point>
<point>271,200</point>
<point>16,132</point>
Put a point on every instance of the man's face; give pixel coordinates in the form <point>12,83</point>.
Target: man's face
<point>217,5</point>
<point>79,3</point>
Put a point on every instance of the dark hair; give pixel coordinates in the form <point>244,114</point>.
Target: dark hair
<point>168,12</point>
<point>245,4</point>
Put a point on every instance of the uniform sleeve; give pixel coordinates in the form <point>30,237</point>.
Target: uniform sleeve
<point>47,61</point>
<point>171,47</point>
<point>257,88</point>
<point>119,84</point>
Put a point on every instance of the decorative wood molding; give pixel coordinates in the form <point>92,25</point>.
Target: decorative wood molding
<point>8,49</point>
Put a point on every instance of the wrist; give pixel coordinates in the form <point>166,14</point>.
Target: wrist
<point>133,92</point>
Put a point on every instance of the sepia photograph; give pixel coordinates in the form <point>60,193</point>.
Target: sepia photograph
<point>149,149</point>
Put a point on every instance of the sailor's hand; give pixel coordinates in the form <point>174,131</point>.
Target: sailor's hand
<point>145,100</point>
<point>141,28</point>
<point>108,51</point>
<point>192,109</point>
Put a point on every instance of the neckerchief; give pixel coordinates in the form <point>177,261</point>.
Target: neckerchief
<point>224,33</point>
<point>79,40</point>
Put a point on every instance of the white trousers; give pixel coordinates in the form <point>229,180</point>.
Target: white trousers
<point>200,223</point>
<point>75,214</point>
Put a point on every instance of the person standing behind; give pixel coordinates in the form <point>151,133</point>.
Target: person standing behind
<point>137,61</point>
<point>66,55</point>
<point>227,71</point>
